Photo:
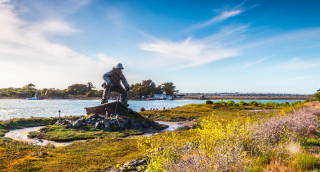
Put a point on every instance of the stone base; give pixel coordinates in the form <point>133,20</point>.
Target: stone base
<point>109,107</point>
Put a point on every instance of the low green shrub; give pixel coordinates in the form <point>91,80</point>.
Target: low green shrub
<point>142,109</point>
<point>242,103</point>
<point>230,103</point>
<point>317,95</point>
<point>208,102</point>
<point>306,161</point>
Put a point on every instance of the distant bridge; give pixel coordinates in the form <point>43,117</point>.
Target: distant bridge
<point>236,94</point>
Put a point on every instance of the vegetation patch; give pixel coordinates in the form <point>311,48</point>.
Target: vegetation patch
<point>221,110</point>
<point>59,133</point>
<point>229,138</point>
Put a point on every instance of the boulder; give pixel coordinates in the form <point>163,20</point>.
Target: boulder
<point>97,125</point>
<point>106,123</point>
<point>113,170</point>
<point>107,129</point>
<point>134,163</point>
<point>77,123</point>
<point>93,121</point>
<point>136,125</point>
<point>69,125</point>
<point>145,125</point>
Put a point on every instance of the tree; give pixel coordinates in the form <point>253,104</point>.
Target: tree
<point>31,85</point>
<point>79,89</point>
<point>43,91</point>
<point>169,88</point>
<point>90,86</point>
<point>317,95</point>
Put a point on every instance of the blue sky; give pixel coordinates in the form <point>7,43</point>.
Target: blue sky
<point>200,46</point>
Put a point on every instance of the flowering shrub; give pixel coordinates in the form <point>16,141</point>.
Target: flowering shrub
<point>232,146</point>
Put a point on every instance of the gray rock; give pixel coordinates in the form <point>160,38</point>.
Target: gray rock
<point>136,125</point>
<point>93,129</point>
<point>77,123</point>
<point>145,124</point>
<point>113,170</point>
<point>106,123</point>
<point>97,125</point>
<point>87,120</point>
<point>107,129</point>
<point>93,121</point>
<point>134,163</point>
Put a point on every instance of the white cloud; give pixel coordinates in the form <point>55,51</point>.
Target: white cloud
<point>189,52</point>
<point>54,26</point>
<point>222,16</point>
<point>26,51</point>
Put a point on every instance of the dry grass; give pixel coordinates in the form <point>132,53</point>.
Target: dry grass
<point>237,145</point>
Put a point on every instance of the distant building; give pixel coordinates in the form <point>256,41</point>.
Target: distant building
<point>160,96</point>
<point>318,91</point>
<point>180,95</point>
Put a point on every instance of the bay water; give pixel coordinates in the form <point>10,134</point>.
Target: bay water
<point>18,108</point>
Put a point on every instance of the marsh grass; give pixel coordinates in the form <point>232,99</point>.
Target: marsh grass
<point>92,155</point>
<point>242,144</point>
<point>200,111</point>
<point>227,138</point>
<point>59,133</point>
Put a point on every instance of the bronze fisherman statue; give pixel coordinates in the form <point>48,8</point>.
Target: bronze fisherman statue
<point>112,83</point>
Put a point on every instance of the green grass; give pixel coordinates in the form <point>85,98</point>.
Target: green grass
<point>104,153</point>
<point>7,125</point>
<point>198,111</point>
<point>305,141</point>
<point>60,134</point>
<point>92,155</point>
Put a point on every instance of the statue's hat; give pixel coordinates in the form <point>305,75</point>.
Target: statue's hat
<point>119,66</point>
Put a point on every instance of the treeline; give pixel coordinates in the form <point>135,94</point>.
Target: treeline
<point>30,91</point>
<point>148,87</point>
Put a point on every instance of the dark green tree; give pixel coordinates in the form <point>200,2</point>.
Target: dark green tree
<point>317,95</point>
<point>169,88</point>
<point>79,89</point>
<point>90,86</point>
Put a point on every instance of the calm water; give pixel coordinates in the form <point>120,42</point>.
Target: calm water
<point>15,108</point>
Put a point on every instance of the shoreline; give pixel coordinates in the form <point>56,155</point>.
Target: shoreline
<point>188,98</point>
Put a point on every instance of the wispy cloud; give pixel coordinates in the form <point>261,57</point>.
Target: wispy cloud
<point>251,64</point>
<point>221,17</point>
<point>189,53</point>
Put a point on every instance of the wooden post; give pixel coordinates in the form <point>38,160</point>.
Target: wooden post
<point>59,115</point>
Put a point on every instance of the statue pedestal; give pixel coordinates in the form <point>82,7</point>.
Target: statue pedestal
<point>110,107</point>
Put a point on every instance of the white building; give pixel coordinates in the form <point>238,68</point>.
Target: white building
<point>160,96</point>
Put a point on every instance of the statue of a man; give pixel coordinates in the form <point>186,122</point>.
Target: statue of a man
<point>112,83</point>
